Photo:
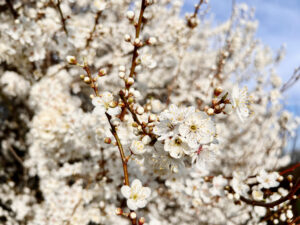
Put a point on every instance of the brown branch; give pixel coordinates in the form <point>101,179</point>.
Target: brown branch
<point>93,85</point>
<point>137,34</point>
<point>15,155</point>
<point>96,21</point>
<point>197,7</point>
<point>275,203</point>
<point>294,78</point>
<point>134,116</point>
<point>292,168</point>
<point>120,147</point>
<point>62,18</point>
<point>294,221</point>
<point>12,10</point>
<point>113,128</point>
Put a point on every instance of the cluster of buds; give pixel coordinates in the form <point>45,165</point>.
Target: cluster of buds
<point>129,81</point>
<point>128,101</point>
<point>131,215</point>
<point>191,21</point>
<point>218,105</point>
<point>137,42</point>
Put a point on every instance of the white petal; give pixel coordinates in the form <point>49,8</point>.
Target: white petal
<point>97,101</point>
<point>136,183</point>
<point>146,191</point>
<point>184,130</point>
<point>114,111</point>
<point>99,110</point>
<point>141,203</point>
<point>126,191</point>
<point>107,97</point>
<point>131,204</point>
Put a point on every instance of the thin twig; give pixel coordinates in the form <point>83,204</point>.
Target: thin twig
<point>113,129</point>
<point>96,21</point>
<point>62,18</point>
<point>295,188</point>
<point>294,78</point>
<point>292,168</point>
<point>197,7</point>
<point>134,116</point>
<point>15,155</point>
<point>137,34</point>
<point>120,147</point>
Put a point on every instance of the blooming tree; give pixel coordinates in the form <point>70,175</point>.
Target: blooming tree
<point>124,112</point>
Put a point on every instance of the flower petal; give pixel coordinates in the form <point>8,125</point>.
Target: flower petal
<point>131,204</point>
<point>126,191</point>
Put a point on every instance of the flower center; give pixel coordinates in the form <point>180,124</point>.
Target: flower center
<point>135,196</point>
<point>178,141</point>
<point>193,127</point>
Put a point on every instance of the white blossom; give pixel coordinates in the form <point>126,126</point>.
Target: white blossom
<point>268,180</point>
<point>240,102</point>
<point>137,147</point>
<point>137,195</point>
<point>198,128</point>
<point>218,185</point>
<point>102,104</point>
<point>176,147</point>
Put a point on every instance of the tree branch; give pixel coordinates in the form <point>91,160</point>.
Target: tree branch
<point>62,18</point>
<point>275,203</point>
<point>12,10</point>
<point>137,34</point>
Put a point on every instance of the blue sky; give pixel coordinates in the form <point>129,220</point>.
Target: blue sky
<point>279,23</point>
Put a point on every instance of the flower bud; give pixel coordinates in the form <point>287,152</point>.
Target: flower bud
<point>121,75</point>
<point>130,81</point>
<point>134,124</point>
<point>122,68</point>
<point>137,42</point>
<point>119,211</point>
<point>132,215</point>
<point>146,139</point>
<point>130,15</point>
<point>107,140</point>
<point>215,101</point>
<point>127,37</point>
<point>149,2</point>
<point>142,221</point>
<point>152,41</point>
<point>130,100</point>
<point>218,91</point>
<point>210,112</point>
<point>87,80</point>
<point>102,72</point>
<point>140,110</point>
<point>71,59</point>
